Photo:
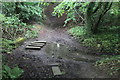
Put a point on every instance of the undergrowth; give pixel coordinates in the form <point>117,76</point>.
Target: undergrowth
<point>6,47</point>
<point>14,32</point>
<point>112,64</point>
<point>11,73</point>
<point>78,31</point>
<point>106,42</point>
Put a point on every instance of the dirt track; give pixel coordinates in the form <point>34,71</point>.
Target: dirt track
<point>76,61</point>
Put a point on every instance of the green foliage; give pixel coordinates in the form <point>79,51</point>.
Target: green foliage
<point>113,16</point>
<point>77,31</point>
<point>30,11</point>
<point>112,64</point>
<point>43,4</point>
<point>69,8</point>
<point>107,41</point>
<point>61,9</point>
<point>93,14</point>
<point>30,34</point>
<point>24,10</point>
<point>8,45</point>
<point>8,8</point>
<point>104,42</point>
<point>5,45</point>
<point>11,73</point>
<point>2,18</point>
<point>13,28</point>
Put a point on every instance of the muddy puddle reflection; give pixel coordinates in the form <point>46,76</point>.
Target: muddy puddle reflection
<point>61,51</point>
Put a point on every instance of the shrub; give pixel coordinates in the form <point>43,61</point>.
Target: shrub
<point>13,28</point>
<point>24,10</point>
<point>77,31</point>
<point>106,41</point>
<point>5,45</point>
<point>11,73</point>
<point>30,11</point>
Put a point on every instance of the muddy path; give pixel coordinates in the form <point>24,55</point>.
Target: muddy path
<point>75,60</point>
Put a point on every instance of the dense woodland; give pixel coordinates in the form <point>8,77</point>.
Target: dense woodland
<point>94,24</point>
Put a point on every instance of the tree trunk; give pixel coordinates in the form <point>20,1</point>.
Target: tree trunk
<point>89,13</point>
<point>106,8</point>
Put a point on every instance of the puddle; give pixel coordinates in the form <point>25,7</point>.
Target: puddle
<point>57,50</point>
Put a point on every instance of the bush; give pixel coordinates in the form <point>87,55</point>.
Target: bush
<point>30,11</point>
<point>77,31</point>
<point>106,41</point>
<point>74,11</point>
<point>11,73</point>
<point>30,34</point>
<point>5,45</point>
<point>24,10</point>
<point>13,28</point>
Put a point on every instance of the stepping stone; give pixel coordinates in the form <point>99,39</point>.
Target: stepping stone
<point>56,71</point>
<point>37,44</point>
<point>32,47</point>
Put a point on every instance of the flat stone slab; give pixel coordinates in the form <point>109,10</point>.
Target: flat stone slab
<point>39,42</point>
<point>35,45</point>
<point>32,47</point>
<point>56,70</point>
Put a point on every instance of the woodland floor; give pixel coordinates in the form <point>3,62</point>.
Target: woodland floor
<point>76,61</point>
